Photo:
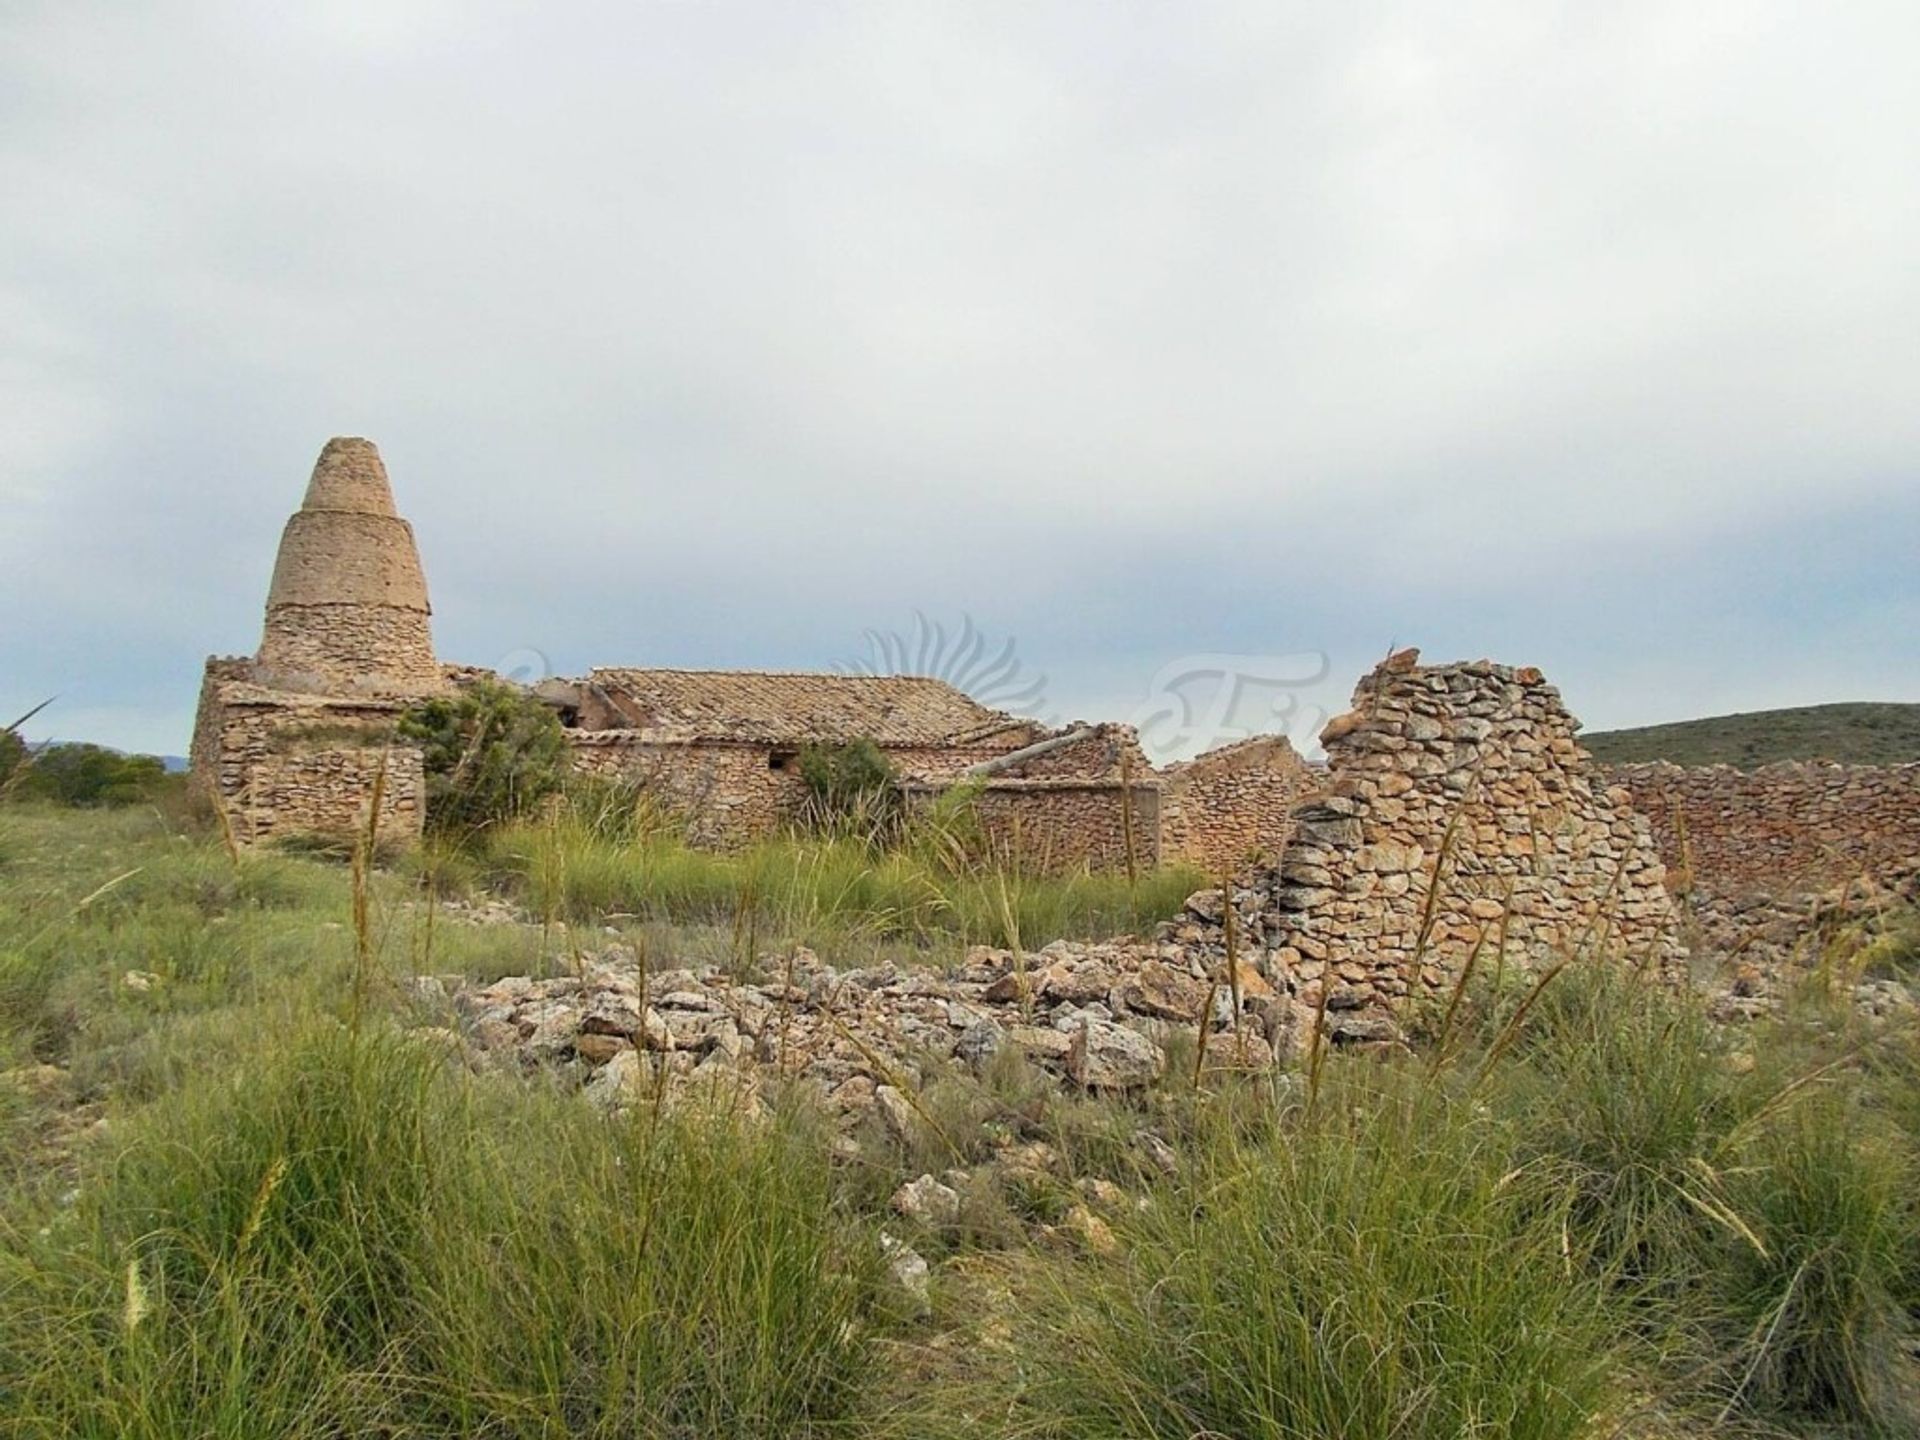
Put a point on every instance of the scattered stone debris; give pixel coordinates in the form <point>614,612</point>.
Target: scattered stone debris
<point>1098,1015</point>
<point>1782,930</point>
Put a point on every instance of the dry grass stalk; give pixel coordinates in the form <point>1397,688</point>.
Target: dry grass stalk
<point>362,866</point>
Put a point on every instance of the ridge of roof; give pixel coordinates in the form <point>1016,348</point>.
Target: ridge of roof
<point>834,675</point>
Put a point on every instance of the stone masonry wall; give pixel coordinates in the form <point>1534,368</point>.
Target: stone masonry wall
<point>349,649</point>
<point>1233,806</point>
<point>731,794</point>
<point>280,769</point>
<point>323,790</point>
<point>1789,829</point>
<point>1468,773</point>
<point>728,794</point>
<point>1051,825</point>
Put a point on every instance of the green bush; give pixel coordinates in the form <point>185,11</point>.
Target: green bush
<point>80,775</point>
<point>492,751</point>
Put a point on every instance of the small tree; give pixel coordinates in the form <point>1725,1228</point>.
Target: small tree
<point>851,788</point>
<point>492,752</point>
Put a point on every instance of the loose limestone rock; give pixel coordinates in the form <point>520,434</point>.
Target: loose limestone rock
<point>1105,1056</point>
<point>928,1201</point>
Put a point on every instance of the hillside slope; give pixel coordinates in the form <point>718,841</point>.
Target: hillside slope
<point>1862,734</point>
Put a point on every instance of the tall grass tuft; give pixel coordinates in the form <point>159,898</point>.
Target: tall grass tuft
<point>1376,1270</point>
<point>1630,1091</point>
<point>667,1277</point>
<point>345,1237</point>
<point>1811,1313</point>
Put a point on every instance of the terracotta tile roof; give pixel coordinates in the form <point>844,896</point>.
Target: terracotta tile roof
<point>783,707</point>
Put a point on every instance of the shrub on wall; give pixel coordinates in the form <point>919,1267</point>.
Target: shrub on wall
<point>851,788</point>
<point>492,752</point>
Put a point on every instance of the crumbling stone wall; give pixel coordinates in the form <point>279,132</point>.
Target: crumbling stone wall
<point>1091,752</point>
<point>1461,816</point>
<point>1233,806</point>
<point>948,763</point>
<point>1790,829</point>
<point>281,766</point>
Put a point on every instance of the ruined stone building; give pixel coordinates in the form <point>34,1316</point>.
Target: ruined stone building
<point>1234,804</point>
<point>289,740</point>
<point>723,749</point>
<point>1462,823</point>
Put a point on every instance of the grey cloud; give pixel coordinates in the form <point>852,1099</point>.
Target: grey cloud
<point>702,332</point>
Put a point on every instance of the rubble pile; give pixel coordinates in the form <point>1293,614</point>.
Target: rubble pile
<point>1795,929</point>
<point>1100,1015</point>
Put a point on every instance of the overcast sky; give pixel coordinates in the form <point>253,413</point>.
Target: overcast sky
<point>706,334</point>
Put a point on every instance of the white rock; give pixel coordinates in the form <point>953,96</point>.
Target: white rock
<point>909,1271</point>
<point>927,1201</point>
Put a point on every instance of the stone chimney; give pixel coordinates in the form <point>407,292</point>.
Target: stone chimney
<point>347,613</point>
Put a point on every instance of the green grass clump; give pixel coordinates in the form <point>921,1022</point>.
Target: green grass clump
<point>347,1237</point>
<point>691,1277</point>
<point>1631,1094</point>
<point>1374,1270</point>
<point>1809,1309</point>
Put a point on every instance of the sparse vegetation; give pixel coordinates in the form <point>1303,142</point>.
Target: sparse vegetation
<point>1858,734</point>
<point>1596,1215</point>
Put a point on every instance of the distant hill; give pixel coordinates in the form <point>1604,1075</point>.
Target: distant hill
<point>1861,734</point>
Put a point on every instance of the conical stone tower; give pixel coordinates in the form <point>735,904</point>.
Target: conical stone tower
<point>348,612</point>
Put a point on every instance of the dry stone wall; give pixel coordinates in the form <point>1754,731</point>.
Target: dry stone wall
<point>1233,807</point>
<point>729,794</point>
<point>281,767</point>
<point>1461,816</point>
<point>726,794</point>
<point>1788,829</point>
<point>348,650</point>
<point>1052,825</point>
